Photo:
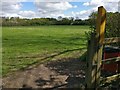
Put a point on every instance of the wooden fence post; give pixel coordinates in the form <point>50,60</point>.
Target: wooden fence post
<point>100,30</point>
<point>94,51</point>
<point>91,63</point>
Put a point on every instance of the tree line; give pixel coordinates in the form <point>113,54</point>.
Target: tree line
<point>16,21</point>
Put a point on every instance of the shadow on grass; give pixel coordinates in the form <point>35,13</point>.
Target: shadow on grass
<point>63,52</point>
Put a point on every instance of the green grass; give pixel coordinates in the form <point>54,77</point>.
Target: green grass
<point>23,46</point>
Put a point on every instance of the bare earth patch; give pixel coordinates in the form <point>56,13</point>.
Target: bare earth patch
<point>67,73</point>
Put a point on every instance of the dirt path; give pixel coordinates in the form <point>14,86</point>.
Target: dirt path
<point>69,73</point>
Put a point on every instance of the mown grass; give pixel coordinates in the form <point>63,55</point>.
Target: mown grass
<point>23,46</point>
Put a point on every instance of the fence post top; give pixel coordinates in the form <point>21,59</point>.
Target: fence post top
<point>100,7</point>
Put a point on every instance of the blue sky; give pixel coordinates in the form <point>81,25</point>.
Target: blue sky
<point>37,9</point>
<point>28,6</point>
<point>79,7</point>
<point>31,6</point>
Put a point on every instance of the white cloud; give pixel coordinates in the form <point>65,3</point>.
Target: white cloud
<point>61,0</point>
<point>110,5</point>
<point>99,2</point>
<point>10,8</point>
<point>93,3</point>
<point>84,14</point>
<point>119,6</point>
<point>28,14</point>
<point>11,15</point>
<point>52,8</point>
<point>75,6</point>
<point>86,4</point>
<point>13,9</point>
<point>56,15</point>
<point>16,0</point>
<point>110,0</point>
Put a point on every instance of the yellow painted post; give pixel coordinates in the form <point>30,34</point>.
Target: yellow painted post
<point>101,21</point>
<point>94,51</point>
<point>100,30</point>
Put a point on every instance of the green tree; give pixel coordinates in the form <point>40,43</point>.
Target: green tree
<point>112,25</point>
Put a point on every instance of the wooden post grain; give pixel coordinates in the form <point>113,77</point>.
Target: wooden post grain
<point>100,30</point>
<point>91,62</point>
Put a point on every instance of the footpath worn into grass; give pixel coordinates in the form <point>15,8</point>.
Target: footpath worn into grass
<point>24,46</point>
<point>62,73</point>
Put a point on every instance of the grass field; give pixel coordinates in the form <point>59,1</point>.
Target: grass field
<point>23,46</point>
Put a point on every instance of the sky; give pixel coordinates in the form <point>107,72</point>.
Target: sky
<point>54,8</point>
